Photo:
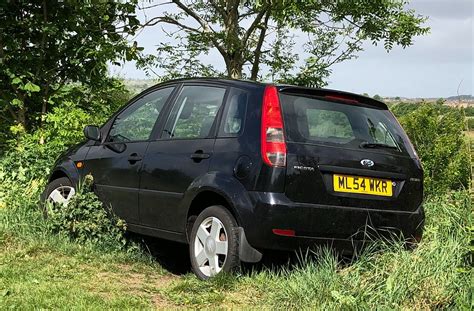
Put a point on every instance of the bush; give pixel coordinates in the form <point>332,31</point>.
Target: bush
<point>470,124</point>
<point>86,219</point>
<point>29,156</point>
<point>402,109</point>
<point>438,137</point>
<point>469,111</point>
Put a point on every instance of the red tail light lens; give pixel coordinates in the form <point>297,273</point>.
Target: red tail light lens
<point>284,232</point>
<point>273,146</point>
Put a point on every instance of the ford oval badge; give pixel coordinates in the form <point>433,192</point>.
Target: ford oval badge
<point>367,163</point>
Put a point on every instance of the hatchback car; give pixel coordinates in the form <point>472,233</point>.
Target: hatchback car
<point>234,168</point>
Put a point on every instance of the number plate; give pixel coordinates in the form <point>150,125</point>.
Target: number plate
<point>362,185</point>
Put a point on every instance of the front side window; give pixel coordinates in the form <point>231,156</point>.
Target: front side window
<point>136,122</point>
<point>194,112</point>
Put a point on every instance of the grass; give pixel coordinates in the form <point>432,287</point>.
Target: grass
<point>37,275</point>
<point>40,270</point>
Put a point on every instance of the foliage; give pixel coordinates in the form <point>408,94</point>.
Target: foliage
<point>45,45</point>
<point>439,140</point>
<point>253,36</point>
<point>401,109</point>
<point>469,111</point>
<point>86,219</point>
<point>29,156</point>
<point>470,124</point>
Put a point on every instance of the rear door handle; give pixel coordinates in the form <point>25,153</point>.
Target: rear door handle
<point>134,157</point>
<point>200,155</point>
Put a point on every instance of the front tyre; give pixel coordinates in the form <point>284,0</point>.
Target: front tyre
<point>213,243</point>
<point>59,191</point>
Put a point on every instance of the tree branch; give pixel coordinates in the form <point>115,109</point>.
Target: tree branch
<point>219,9</point>
<point>258,49</point>
<point>154,5</point>
<point>203,23</point>
<point>206,28</point>
<point>169,20</point>
<point>254,24</point>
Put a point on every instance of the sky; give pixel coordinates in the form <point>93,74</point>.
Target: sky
<point>436,65</point>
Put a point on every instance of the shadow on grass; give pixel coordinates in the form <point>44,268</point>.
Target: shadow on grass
<point>174,256</point>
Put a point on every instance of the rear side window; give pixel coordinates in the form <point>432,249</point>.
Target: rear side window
<point>194,112</point>
<point>316,120</point>
<point>232,123</point>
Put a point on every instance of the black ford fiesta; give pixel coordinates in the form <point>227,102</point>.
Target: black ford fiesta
<point>234,168</point>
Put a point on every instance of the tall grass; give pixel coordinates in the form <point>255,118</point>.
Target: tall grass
<point>436,275</point>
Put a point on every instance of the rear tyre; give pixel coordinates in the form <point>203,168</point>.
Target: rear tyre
<point>213,243</point>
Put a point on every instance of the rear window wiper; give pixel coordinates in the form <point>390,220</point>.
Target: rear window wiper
<point>376,145</point>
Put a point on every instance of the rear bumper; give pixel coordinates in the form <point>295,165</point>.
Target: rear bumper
<point>340,226</point>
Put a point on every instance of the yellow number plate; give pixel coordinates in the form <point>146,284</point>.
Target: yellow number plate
<point>362,185</point>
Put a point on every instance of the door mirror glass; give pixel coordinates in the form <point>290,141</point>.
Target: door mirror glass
<point>92,132</point>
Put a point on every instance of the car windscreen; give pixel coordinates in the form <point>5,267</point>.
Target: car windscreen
<point>317,120</point>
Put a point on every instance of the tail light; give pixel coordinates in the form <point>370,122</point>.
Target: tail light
<point>273,146</point>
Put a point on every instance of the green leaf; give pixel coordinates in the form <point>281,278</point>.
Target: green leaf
<point>31,87</point>
<point>16,80</point>
<point>17,102</point>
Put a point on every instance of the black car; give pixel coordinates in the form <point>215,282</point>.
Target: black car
<point>234,168</point>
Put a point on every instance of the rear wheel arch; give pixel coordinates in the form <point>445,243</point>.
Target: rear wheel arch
<point>203,200</point>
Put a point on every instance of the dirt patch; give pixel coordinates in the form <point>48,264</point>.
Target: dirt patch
<point>146,285</point>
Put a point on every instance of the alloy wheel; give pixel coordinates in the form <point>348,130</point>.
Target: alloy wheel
<point>210,246</point>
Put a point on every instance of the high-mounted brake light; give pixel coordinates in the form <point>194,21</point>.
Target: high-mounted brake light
<point>273,146</point>
<point>342,98</point>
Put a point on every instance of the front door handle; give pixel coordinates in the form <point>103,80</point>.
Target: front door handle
<point>200,155</point>
<point>134,157</point>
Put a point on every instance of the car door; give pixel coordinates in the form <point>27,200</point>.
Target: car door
<point>116,162</point>
<point>179,156</point>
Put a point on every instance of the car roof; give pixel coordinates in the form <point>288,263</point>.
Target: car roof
<point>282,87</point>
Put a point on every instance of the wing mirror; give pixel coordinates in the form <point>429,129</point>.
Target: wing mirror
<point>92,132</point>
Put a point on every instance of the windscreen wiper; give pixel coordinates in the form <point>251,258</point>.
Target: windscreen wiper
<point>377,145</point>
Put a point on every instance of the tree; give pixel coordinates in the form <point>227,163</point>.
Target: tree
<point>256,39</point>
<point>45,44</point>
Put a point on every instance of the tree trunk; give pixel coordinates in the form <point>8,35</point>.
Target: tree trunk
<point>234,69</point>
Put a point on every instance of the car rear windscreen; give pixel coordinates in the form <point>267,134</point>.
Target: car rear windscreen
<point>320,121</point>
